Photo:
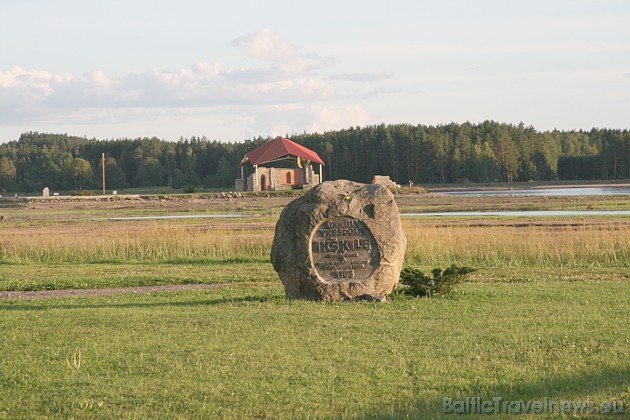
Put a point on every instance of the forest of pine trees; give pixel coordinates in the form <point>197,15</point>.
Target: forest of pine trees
<point>485,152</point>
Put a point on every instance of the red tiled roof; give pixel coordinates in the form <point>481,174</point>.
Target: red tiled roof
<point>278,148</point>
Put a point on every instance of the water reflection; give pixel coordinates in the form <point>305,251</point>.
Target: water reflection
<point>527,213</point>
<point>548,191</point>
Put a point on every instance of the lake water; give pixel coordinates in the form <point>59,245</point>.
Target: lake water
<point>527,213</point>
<point>548,191</point>
<point>586,191</point>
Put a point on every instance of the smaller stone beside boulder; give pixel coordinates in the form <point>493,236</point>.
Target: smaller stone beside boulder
<point>340,241</point>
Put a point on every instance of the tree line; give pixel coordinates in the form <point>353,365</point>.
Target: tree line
<point>485,152</point>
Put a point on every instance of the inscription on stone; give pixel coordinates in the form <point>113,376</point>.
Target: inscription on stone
<point>342,249</point>
<point>339,241</point>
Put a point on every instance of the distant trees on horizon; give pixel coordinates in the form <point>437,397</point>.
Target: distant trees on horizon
<point>485,152</point>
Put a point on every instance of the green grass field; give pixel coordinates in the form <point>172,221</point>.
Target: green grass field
<point>248,352</point>
<point>544,316</point>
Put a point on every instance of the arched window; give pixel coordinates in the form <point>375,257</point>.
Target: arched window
<point>263,183</point>
<point>289,178</point>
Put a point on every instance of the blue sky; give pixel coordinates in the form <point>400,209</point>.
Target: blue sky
<point>240,69</point>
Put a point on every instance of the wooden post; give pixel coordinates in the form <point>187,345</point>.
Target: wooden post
<point>103,173</point>
<point>321,173</point>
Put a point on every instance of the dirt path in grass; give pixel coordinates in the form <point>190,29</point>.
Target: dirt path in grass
<point>47,294</point>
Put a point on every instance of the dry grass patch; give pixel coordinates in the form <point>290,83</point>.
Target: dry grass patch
<point>604,244</point>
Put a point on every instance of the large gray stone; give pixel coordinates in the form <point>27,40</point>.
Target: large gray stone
<point>342,240</point>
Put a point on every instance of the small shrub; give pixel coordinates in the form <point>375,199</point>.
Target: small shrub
<point>408,190</point>
<point>440,283</point>
<point>82,193</point>
<point>189,189</point>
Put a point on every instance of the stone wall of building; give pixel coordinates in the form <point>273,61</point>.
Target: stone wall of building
<point>310,177</point>
<point>271,179</point>
<point>385,181</point>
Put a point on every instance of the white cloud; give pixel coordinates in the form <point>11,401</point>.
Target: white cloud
<point>201,85</point>
<point>287,96</point>
<point>284,57</point>
<point>204,70</point>
<point>267,45</point>
<point>290,78</point>
<point>23,93</point>
<point>18,77</point>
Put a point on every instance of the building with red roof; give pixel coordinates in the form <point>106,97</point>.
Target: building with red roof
<point>279,164</point>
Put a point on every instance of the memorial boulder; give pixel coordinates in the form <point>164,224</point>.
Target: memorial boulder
<point>340,241</point>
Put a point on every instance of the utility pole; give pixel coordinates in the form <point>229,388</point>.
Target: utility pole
<point>103,173</point>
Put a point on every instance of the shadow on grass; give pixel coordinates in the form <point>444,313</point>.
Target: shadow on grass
<point>551,392</point>
<point>112,305</point>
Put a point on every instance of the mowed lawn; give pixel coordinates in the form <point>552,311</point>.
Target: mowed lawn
<point>246,351</point>
<point>544,316</point>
